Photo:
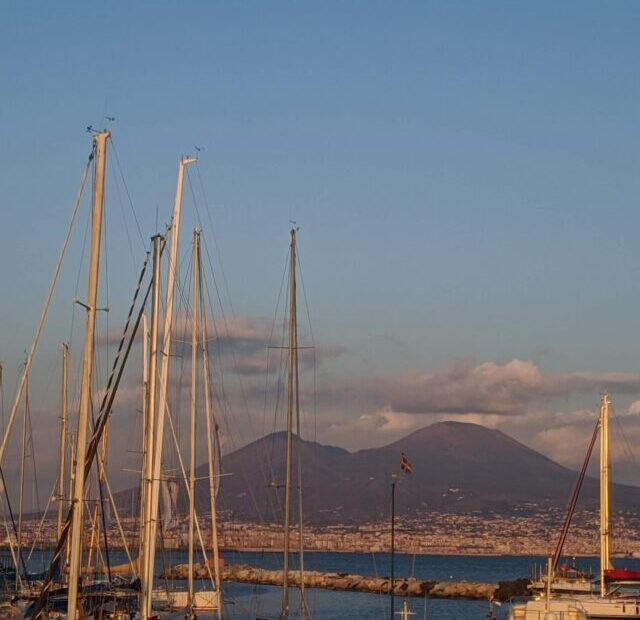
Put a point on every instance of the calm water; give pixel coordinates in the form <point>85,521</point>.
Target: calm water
<point>243,601</point>
<point>327,605</point>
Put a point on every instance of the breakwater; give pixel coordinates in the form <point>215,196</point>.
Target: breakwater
<point>409,586</point>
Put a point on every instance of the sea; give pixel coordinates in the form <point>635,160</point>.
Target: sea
<point>245,602</point>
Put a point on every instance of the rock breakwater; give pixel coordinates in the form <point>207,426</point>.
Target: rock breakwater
<point>242,573</point>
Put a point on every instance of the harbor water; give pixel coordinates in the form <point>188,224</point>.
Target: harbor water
<point>244,601</point>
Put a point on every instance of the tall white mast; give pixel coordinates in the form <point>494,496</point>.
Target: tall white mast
<point>143,443</point>
<point>100,146</point>
<point>23,457</point>
<point>290,399</point>
<point>194,406</point>
<point>146,579</point>
<point>64,407</point>
<point>210,448</point>
<point>164,377</point>
<point>72,482</point>
<point>605,560</point>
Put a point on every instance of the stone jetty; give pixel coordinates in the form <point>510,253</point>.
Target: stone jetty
<point>242,573</point>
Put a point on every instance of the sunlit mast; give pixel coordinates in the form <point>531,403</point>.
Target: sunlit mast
<point>75,560</point>
<point>193,420</point>
<point>605,466</point>
<point>146,579</point>
<point>23,458</point>
<point>211,455</point>
<point>149,549</point>
<point>292,402</point>
<point>64,408</point>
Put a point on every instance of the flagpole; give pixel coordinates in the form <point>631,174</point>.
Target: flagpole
<point>393,542</point>
<point>405,467</point>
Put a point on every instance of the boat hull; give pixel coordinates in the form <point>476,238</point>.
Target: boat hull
<point>577,608</point>
<point>205,600</point>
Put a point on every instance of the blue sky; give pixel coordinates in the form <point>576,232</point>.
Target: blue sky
<point>465,175</point>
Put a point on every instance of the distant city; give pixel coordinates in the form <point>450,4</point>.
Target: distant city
<point>529,530</point>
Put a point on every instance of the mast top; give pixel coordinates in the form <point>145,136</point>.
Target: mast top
<point>105,134</point>
<point>605,402</point>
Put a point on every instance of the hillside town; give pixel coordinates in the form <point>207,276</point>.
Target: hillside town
<point>436,533</point>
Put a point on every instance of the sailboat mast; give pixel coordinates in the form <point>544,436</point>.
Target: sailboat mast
<point>72,482</point>
<point>143,443</point>
<point>303,603</point>
<point>100,146</point>
<point>23,458</point>
<point>64,410</point>
<point>290,393</point>
<point>194,411</point>
<point>164,378</point>
<point>605,560</point>
<point>210,449</point>
<point>146,580</point>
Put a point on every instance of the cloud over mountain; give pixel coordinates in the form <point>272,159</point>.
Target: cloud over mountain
<point>467,387</point>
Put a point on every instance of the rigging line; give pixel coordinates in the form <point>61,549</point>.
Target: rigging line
<point>266,387</point>
<point>105,266</point>
<point>45,310</point>
<point>574,498</point>
<point>21,470</point>
<point>220,397</point>
<point>217,335</point>
<point>213,449</point>
<point>225,283</point>
<point>277,511</point>
<point>313,344</point>
<point>114,182</point>
<point>126,327</point>
<point>78,275</point>
<point>625,442</point>
<point>13,525</point>
<point>100,474</point>
<point>183,318</point>
<point>118,522</point>
<point>303,600</point>
<point>33,456</point>
<point>42,520</point>
<point>215,241</point>
<point>271,333</point>
<point>183,471</point>
<point>105,412</point>
<point>126,189</point>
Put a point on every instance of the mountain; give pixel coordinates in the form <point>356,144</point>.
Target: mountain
<point>457,468</point>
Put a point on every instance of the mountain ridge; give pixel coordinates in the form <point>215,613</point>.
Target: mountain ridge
<point>458,467</point>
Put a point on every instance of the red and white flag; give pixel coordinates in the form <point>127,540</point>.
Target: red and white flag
<point>405,466</point>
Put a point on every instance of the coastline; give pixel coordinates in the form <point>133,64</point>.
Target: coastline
<point>436,534</point>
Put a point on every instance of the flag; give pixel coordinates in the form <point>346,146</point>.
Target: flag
<point>405,466</point>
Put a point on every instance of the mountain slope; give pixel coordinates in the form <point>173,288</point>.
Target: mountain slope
<point>457,467</point>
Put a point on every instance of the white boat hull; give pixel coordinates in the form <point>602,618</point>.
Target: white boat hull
<point>577,608</point>
<point>205,600</point>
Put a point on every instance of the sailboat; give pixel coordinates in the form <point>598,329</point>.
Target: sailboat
<point>111,598</point>
<point>205,600</point>
<point>612,600</point>
<point>69,592</point>
<point>293,414</point>
<point>154,599</point>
